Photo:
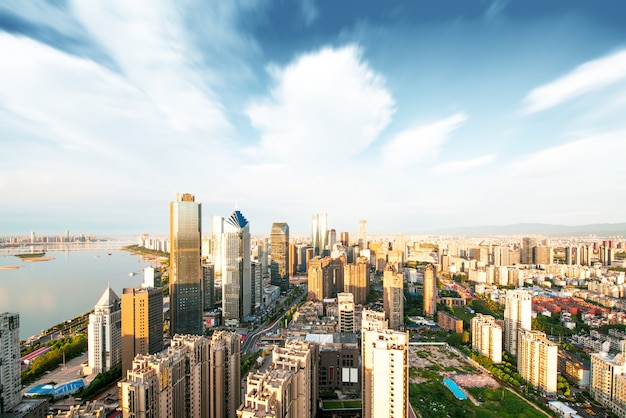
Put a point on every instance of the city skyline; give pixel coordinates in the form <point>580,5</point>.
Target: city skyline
<point>479,113</point>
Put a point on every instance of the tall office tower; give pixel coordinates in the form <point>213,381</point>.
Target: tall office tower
<point>10,372</point>
<point>356,279</point>
<point>543,255</point>
<point>217,232</point>
<point>185,266</point>
<point>362,234</point>
<point>608,381</point>
<point>526,254</point>
<point>208,286</point>
<point>236,276</point>
<point>105,333</point>
<point>195,350</point>
<point>142,323</point>
<point>319,233</point>
<point>279,251</point>
<point>344,237</point>
<point>332,238</point>
<point>517,316</point>
<point>345,309</point>
<point>256,275</point>
<point>487,337</point>
<point>288,388</point>
<point>292,260</point>
<point>430,290</point>
<point>225,373</point>
<point>537,360</point>
<point>393,297</point>
<point>385,373</point>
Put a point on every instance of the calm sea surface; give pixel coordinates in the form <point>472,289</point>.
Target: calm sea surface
<point>46,293</point>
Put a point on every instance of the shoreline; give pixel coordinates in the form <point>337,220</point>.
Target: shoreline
<point>9,267</point>
<point>37,259</point>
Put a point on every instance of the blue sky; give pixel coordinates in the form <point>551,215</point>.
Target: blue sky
<point>414,115</point>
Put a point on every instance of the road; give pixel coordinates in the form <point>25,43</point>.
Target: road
<point>253,337</point>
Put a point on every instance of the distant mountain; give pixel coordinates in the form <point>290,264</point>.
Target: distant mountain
<point>599,230</point>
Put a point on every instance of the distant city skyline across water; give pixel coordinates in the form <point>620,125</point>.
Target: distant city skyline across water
<point>46,293</point>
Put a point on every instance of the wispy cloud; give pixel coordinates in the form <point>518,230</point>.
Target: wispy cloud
<point>309,11</point>
<point>459,166</point>
<point>585,78</point>
<point>421,142</point>
<point>324,107</point>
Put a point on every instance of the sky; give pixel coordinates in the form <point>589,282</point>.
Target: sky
<point>413,115</point>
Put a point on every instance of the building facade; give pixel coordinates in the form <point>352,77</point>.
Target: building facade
<point>185,266</point>
<point>430,290</point>
<point>236,275</point>
<point>142,323</point>
<point>517,316</point>
<point>487,337</point>
<point>356,279</point>
<point>537,360</point>
<point>279,251</point>
<point>105,333</point>
<point>10,371</point>
<point>225,374</point>
<point>345,308</point>
<point>393,297</point>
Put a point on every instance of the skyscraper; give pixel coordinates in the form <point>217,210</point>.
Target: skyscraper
<point>10,372</point>
<point>385,373</point>
<point>430,290</point>
<point>363,234</point>
<point>208,286</point>
<point>356,279</point>
<point>225,357</point>
<point>142,323</point>
<point>279,251</point>
<point>185,266</point>
<point>526,253</point>
<point>393,297</point>
<point>319,233</point>
<point>517,315</point>
<point>105,333</point>
<point>236,275</point>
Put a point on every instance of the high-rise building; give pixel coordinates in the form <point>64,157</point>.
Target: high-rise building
<point>208,286</point>
<point>288,388</point>
<point>319,234</point>
<point>345,308</point>
<point>10,372</point>
<point>105,333</point>
<point>293,260</point>
<point>142,323</point>
<point>185,266</point>
<point>279,251</point>
<point>526,254</point>
<point>487,337</point>
<point>430,290</point>
<point>517,316</point>
<point>356,279</point>
<point>217,232</point>
<point>236,276</point>
<point>393,297</point>
<point>257,284</point>
<point>537,360</point>
<point>543,254</point>
<point>363,234</point>
<point>175,383</point>
<point>325,278</point>
<point>608,381</point>
<point>225,374</point>
<point>385,373</point>
<point>344,237</point>
<point>373,320</point>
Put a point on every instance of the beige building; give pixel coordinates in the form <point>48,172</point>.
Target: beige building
<point>385,373</point>
<point>288,388</point>
<point>104,333</point>
<point>608,382</point>
<point>517,316</point>
<point>537,360</point>
<point>393,297</point>
<point>356,279</point>
<point>345,308</point>
<point>430,290</point>
<point>373,321</point>
<point>225,364</point>
<point>142,323</point>
<point>487,337</point>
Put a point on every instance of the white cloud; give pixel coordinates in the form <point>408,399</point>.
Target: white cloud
<point>585,78</point>
<point>454,167</point>
<point>421,142</point>
<point>147,40</point>
<point>325,106</point>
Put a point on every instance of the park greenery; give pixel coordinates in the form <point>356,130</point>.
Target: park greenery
<point>505,371</point>
<point>100,383</point>
<point>249,361</point>
<point>62,349</point>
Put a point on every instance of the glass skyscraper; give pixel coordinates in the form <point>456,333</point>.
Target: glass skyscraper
<point>185,266</point>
